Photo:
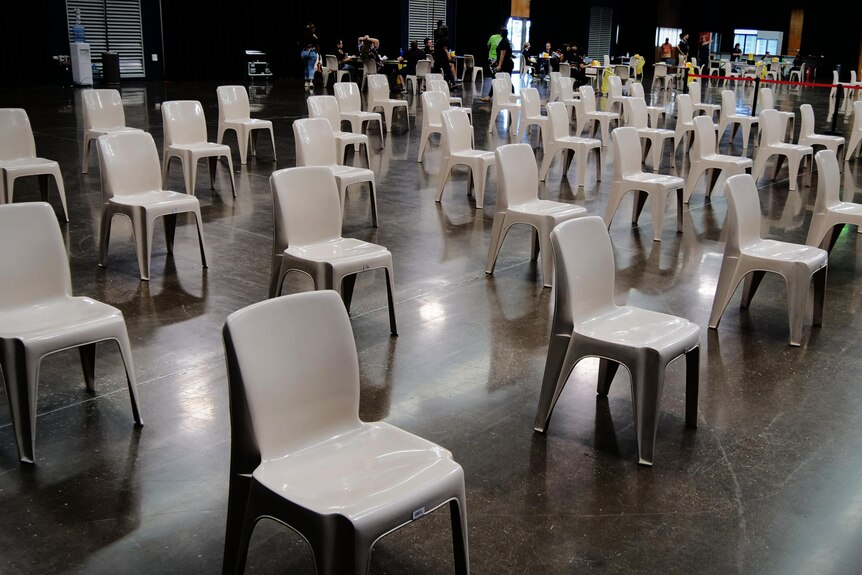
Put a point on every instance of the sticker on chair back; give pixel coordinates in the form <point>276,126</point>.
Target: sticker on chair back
<point>418,513</point>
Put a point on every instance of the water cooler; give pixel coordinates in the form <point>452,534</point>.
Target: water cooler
<point>79,51</point>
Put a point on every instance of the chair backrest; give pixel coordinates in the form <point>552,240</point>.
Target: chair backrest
<point>588,97</point>
<point>33,262</point>
<point>684,109</point>
<point>315,142</point>
<point>502,90</point>
<point>505,76</point>
<point>565,70</point>
<point>347,94</point>
<point>834,76</point>
<point>660,70</point>
<point>743,212</point>
<point>530,102</point>
<point>637,90</point>
<point>637,114</point>
<point>16,135</point>
<point>705,137</point>
<point>103,109</point>
<point>434,77</point>
<point>765,99</point>
<point>369,66</point>
<point>456,125</point>
<point>306,206</point>
<point>857,116</point>
<point>584,277</point>
<point>325,107</point>
<point>378,87</point>
<point>233,103</point>
<point>607,61</point>
<point>423,68</point>
<point>728,103</point>
<point>770,124</point>
<point>184,122</point>
<point>727,69</point>
<point>567,88</point>
<point>694,92</point>
<point>331,62</point>
<point>524,64</point>
<point>622,71</point>
<point>439,86</point>
<point>627,152</point>
<point>293,375</point>
<point>615,85</point>
<point>806,125</point>
<point>517,175</point>
<point>129,164</point>
<point>828,181</point>
<point>469,61</point>
<point>433,104</point>
<point>558,121</point>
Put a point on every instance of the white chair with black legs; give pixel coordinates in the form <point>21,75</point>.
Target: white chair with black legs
<point>300,454</point>
<point>458,136</point>
<point>443,87</point>
<point>729,117</point>
<point>653,112</point>
<point>103,114</point>
<point>518,203</point>
<point>332,68</point>
<point>234,113</point>
<point>586,112</point>
<point>797,75</point>
<point>637,115</point>
<point>855,131</point>
<point>132,187</point>
<point>185,138</point>
<point>433,104</point>
<point>748,256</point>
<point>588,322</point>
<point>705,159</point>
<point>40,316</point>
<point>807,137</point>
<point>315,146</point>
<point>684,129</point>
<point>18,158</point>
<point>504,102</point>
<point>697,105</point>
<point>350,104</point>
<point>558,139</point>
<point>766,101</point>
<point>772,145</point>
<point>378,97</point>
<point>830,213</point>
<point>531,114</point>
<point>629,177</point>
<point>308,219</point>
<point>327,107</point>
<point>471,68</point>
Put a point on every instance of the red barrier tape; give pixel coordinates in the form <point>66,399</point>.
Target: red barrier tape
<point>765,81</point>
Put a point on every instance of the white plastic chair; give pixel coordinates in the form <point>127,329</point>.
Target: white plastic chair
<point>684,128</point>
<point>378,97</point>
<point>855,131</point>
<point>327,107</point>
<point>729,74</point>
<point>39,316</point>
<point>807,137</point>
<point>586,112</point>
<point>369,68</point>
<point>423,68</point>
<point>350,104</point>
<point>458,135</point>
<point>661,76</point>
<point>332,68</point>
<point>186,139</point>
<point>559,140</point>
<point>103,114</point>
<point>699,107</point>
<point>565,70</point>
<point>772,145</point>
<point>705,159</point>
<point>503,102</point>
<point>588,323</point>
<point>797,75</point>
<point>615,96</point>
<point>132,187</point>
<point>434,77</point>
<point>629,177</point>
<point>621,71</point>
<point>443,87</point>
<point>308,219</point>
<point>568,95</point>
<point>830,213</point>
<point>729,117</point>
<point>525,68</point>
<point>554,86</point>
<point>433,104</point>
<point>315,146</point>
<point>518,203</point>
<point>18,158</point>
<point>748,256</point>
<point>234,113</point>
<point>766,101</point>
<point>301,455</point>
<point>470,64</point>
<point>653,112</point>
<point>637,115</point>
<point>531,113</point>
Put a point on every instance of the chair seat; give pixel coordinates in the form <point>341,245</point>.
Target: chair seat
<point>634,327</point>
<point>343,250</point>
<point>773,250</point>
<point>364,116</point>
<point>660,181</point>
<point>655,132</point>
<point>351,174</point>
<point>847,210</point>
<point>205,148</point>
<point>96,132</point>
<point>387,102</point>
<point>487,157</point>
<point>712,107</point>
<point>580,142</point>
<point>784,147</point>
<point>351,138</point>
<point>157,200</point>
<point>727,160</point>
<point>56,320</point>
<point>26,164</point>
<point>253,123</point>
<point>742,118</point>
<point>601,114</point>
<point>549,208</point>
<point>821,140</point>
<point>360,473</point>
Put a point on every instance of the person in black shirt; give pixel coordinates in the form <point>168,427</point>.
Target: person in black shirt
<point>442,63</point>
<point>429,47</point>
<point>505,62</point>
<point>682,47</point>
<point>344,59</point>
<point>797,63</point>
<point>413,55</point>
<point>736,54</point>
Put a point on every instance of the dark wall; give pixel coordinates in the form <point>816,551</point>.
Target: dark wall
<point>33,31</point>
<point>475,23</point>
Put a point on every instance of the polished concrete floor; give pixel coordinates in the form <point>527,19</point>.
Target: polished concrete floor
<point>769,482</point>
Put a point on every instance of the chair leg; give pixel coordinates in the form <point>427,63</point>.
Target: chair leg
<point>694,175</point>
<point>253,141</point>
<point>638,205</point>
<point>88,363</point>
<point>692,379</point>
<point>190,170</point>
<point>202,245</point>
<point>647,384</point>
<point>797,297</point>
<point>142,229</point>
<point>242,141</point>
<point>443,176</point>
<point>373,197</point>
<point>728,280</point>
<point>479,175</point>
<point>616,196</point>
<point>170,223</point>
<point>498,234</point>
<point>607,370</point>
<point>547,158</point>
<point>554,379</point>
<point>230,172</point>
<point>21,390</point>
<point>276,278</point>
<point>819,278</point>
<point>104,236</point>
<point>750,285</point>
<point>85,161</point>
<point>390,297</point>
<point>212,160</point>
<point>423,140</point>
<point>458,517</point>
<point>544,242</point>
<point>122,339</point>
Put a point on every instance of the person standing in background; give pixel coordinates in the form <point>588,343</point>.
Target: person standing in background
<point>310,54</point>
<point>504,60</point>
<point>666,50</point>
<point>492,51</point>
<point>413,55</point>
<point>736,54</point>
<point>682,47</point>
<point>443,62</point>
<point>703,53</point>
<point>428,47</point>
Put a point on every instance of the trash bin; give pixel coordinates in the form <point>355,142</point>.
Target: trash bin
<point>111,67</point>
